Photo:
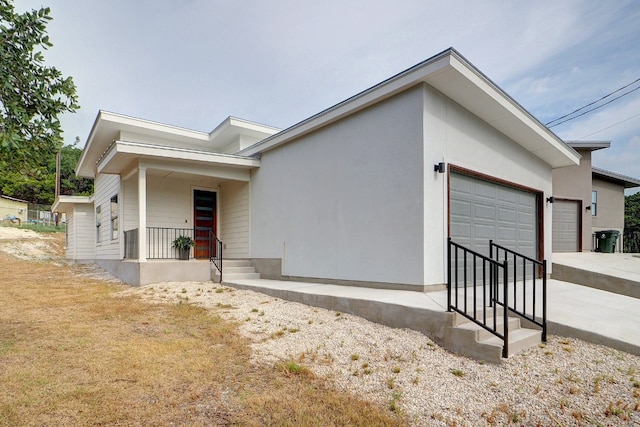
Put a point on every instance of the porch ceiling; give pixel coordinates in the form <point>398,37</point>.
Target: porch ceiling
<point>123,156</point>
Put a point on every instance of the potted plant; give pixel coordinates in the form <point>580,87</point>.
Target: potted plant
<point>183,244</point>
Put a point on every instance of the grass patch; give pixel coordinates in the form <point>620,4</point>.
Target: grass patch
<point>457,372</point>
<point>97,359</point>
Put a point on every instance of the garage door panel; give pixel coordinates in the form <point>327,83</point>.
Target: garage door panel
<point>507,215</point>
<point>460,207</point>
<point>504,214</point>
<point>485,212</point>
<point>566,226</point>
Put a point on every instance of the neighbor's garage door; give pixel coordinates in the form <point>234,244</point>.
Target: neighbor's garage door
<point>483,210</point>
<point>566,226</point>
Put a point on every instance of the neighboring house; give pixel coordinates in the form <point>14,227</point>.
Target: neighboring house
<point>587,200</point>
<point>13,210</point>
<point>365,192</point>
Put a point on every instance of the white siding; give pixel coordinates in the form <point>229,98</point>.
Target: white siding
<point>106,186</point>
<point>169,203</point>
<point>234,219</point>
<point>85,227</point>
<point>346,202</point>
<point>130,200</point>
<point>70,249</point>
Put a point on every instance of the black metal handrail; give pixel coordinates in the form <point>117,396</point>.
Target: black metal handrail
<point>519,275</point>
<point>631,241</point>
<point>160,241</point>
<point>215,252</point>
<point>131,244</point>
<point>478,271</point>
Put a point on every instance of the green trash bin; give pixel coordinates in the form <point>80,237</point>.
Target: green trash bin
<point>607,241</point>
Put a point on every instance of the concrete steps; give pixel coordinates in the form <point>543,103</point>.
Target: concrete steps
<point>237,269</point>
<point>472,340</point>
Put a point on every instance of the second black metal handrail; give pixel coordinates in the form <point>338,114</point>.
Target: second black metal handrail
<point>520,277</point>
<point>478,271</point>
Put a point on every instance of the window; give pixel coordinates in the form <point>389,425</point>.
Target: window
<point>594,203</point>
<point>114,217</point>
<point>98,223</point>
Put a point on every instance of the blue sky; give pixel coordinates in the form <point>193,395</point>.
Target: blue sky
<point>192,63</point>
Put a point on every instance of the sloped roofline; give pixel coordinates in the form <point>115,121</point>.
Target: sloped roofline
<point>626,181</point>
<point>452,74</point>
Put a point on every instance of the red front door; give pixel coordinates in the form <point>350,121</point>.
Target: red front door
<point>204,220</point>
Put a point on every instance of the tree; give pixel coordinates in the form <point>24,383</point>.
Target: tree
<point>41,190</point>
<point>632,223</point>
<point>32,95</point>
<point>70,184</point>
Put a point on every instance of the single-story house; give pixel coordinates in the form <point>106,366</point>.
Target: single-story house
<point>13,210</point>
<point>587,200</point>
<point>363,193</point>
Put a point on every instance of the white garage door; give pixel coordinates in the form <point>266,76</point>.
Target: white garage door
<point>566,226</point>
<point>482,210</point>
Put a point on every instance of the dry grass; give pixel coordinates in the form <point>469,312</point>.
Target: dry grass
<point>71,353</point>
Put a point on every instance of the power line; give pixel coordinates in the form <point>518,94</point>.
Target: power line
<point>609,127</point>
<point>594,102</point>
<point>594,108</point>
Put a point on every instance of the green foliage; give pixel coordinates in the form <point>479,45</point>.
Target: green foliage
<point>41,188</point>
<point>70,184</point>
<point>32,96</point>
<point>632,213</point>
<point>182,242</point>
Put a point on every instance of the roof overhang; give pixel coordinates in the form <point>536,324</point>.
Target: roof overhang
<point>66,203</point>
<point>13,199</point>
<point>123,155</point>
<point>626,181</point>
<point>458,79</point>
<point>588,145</point>
<point>108,128</point>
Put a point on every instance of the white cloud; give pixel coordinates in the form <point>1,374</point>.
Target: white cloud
<point>192,63</point>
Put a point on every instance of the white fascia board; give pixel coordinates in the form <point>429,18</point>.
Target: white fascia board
<point>451,74</point>
<point>474,91</point>
<point>107,122</point>
<point>131,150</point>
<point>65,203</point>
<point>151,126</point>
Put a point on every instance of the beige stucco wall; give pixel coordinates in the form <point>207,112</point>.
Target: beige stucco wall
<point>610,215</point>
<point>574,183</point>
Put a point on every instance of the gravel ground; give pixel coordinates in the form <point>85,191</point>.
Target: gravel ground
<point>565,382</point>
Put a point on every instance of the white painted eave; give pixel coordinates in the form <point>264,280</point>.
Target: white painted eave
<point>454,76</point>
<point>108,128</point>
<point>66,203</point>
<point>122,154</point>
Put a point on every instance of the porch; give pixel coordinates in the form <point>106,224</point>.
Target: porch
<point>160,245</point>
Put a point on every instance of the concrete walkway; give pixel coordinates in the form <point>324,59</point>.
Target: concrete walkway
<point>575,311</point>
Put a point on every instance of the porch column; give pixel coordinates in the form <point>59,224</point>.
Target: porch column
<point>142,214</point>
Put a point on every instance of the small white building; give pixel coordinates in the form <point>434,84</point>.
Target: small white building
<point>13,210</point>
<point>363,193</point>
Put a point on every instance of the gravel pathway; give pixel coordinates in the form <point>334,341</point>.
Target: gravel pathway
<point>565,382</point>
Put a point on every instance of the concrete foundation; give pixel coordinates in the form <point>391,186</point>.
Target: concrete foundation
<point>136,273</point>
<point>271,268</point>
<point>604,282</point>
